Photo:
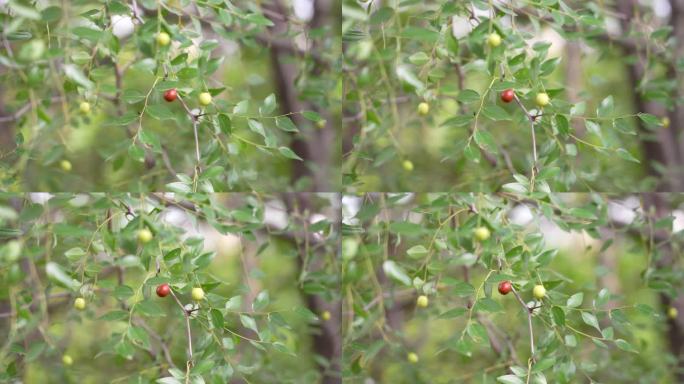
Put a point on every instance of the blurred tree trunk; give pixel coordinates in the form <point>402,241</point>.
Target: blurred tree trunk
<point>328,341</point>
<point>657,207</point>
<point>677,115</point>
<point>313,145</point>
<point>315,150</point>
<point>249,263</point>
<point>663,148</point>
<point>573,78</point>
<point>660,146</point>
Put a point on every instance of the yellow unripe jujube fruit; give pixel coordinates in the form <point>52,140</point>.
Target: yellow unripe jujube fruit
<point>423,108</point>
<point>84,107</point>
<point>163,39</point>
<point>408,165</point>
<point>542,99</point>
<point>422,301</point>
<point>144,235</point>
<point>482,233</point>
<point>672,312</point>
<point>205,98</point>
<point>494,40</point>
<point>67,360</point>
<point>197,294</point>
<point>412,358</point>
<point>665,121</point>
<point>80,303</point>
<point>65,165</point>
<point>325,315</point>
<point>539,292</point>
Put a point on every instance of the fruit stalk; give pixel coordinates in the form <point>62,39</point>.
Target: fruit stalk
<point>194,128</point>
<point>187,328</point>
<point>195,121</point>
<point>529,321</point>
<point>534,138</point>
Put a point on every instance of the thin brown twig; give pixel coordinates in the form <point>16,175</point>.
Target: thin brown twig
<point>118,78</point>
<point>195,123</point>
<point>30,306</point>
<point>167,161</point>
<point>528,311</point>
<point>165,349</point>
<point>22,111</point>
<point>461,85</point>
<point>134,8</point>
<point>188,364</point>
<point>532,119</point>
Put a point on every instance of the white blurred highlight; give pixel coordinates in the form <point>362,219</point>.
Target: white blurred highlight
<point>351,205</point>
<point>275,214</point>
<point>122,26</point>
<point>521,215</point>
<point>303,9</point>
<point>213,239</point>
<point>40,197</point>
<point>678,222</point>
<point>623,211</point>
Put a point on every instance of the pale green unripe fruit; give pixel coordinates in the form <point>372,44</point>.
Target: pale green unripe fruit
<point>197,294</point>
<point>325,316</point>
<point>144,235</point>
<point>672,312</point>
<point>205,98</point>
<point>350,247</point>
<point>422,301</point>
<point>67,360</point>
<point>65,165</point>
<point>539,292</point>
<point>665,122</point>
<point>423,108</point>
<point>12,251</point>
<point>33,50</point>
<point>163,39</point>
<point>482,233</point>
<point>412,358</point>
<point>408,165</point>
<point>542,99</point>
<point>80,303</point>
<point>84,107</point>
<point>494,40</point>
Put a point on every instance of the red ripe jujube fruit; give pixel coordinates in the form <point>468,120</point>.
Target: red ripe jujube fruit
<point>163,290</point>
<point>505,287</point>
<point>170,95</point>
<point>507,95</point>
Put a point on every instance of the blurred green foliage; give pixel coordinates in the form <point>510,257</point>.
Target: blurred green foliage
<point>254,323</point>
<point>601,320</point>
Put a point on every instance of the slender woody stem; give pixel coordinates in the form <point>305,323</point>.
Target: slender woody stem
<point>195,122</point>
<point>534,138</point>
<point>197,150</point>
<point>187,326</point>
<point>529,320</point>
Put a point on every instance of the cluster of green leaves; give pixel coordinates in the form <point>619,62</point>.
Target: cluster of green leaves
<point>62,57</point>
<point>398,56</point>
<point>87,246</point>
<point>399,246</point>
